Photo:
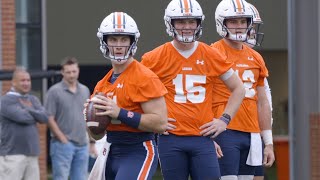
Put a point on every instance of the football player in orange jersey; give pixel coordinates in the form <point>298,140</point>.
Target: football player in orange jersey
<point>187,68</point>
<point>241,142</point>
<point>133,97</point>
<point>255,39</point>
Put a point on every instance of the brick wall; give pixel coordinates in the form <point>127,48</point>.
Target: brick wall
<point>43,153</point>
<point>315,145</point>
<point>8,38</point>
<point>9,62</point>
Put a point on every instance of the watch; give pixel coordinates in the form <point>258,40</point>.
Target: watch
<point>226,116</point>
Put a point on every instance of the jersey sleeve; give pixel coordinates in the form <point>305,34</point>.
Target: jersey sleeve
<point>220,62</point>
<point>153,59</point>
<point>99,86</point>
<point>264,71</point>
<point>149,89</point>
<point>146,61</point>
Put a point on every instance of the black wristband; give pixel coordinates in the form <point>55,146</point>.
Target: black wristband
<point>225,118</point>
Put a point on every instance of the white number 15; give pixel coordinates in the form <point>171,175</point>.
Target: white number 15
<point>195,94</point>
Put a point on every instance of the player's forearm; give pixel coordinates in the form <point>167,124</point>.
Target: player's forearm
<point>235,101</point>
<point>268,92</point>
<point>153,123</point>
<point>155,116</point>
<point>264,114</point>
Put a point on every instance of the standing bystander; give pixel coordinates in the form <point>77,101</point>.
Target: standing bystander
<point>19,136</point>
<point>69,139</point>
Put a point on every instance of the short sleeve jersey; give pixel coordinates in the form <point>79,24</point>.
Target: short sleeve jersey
<point>189,83</point>
<point>251,69</point>
<point>137,84</point>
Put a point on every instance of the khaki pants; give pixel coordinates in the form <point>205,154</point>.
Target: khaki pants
<point>18,167</point>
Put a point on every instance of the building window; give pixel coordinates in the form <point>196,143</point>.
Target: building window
<point>28,33</point>
<point>28,37</point>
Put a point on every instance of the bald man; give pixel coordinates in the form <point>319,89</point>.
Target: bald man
<point>19,139</point>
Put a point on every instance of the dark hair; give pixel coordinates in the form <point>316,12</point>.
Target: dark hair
<point>68,61</point>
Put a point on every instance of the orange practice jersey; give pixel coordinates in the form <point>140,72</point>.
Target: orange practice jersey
<point>189,83</point>
<point>135,85</point>
<point>250,67</point>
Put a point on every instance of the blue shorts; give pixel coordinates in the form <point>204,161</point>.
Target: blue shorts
<point>235,146</point>
<point>134,161</point>
<point>259,171</point>
<point>184,156</point>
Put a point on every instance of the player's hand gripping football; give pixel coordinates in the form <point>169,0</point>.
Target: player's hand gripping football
<point>106,104</point>
<point>213,128</point>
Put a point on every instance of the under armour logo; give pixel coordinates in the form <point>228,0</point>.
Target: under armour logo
<point>119,85</point>
<point>200,62</point>
<point>250,58</point>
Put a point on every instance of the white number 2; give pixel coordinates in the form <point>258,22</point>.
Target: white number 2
<point>195,94</point>
<point>248,75</point>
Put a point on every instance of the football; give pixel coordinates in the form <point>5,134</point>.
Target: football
<point>96,124</point>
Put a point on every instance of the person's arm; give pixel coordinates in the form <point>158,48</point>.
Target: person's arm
<point>264,114</point>
<point>269,96</point>
<point>38,111</point>
<point>154,118</point>
<point>268,92</point>
<point>51,104</point>
<point>39,115</point>
<point>235,85</point>
<point>264,110</point>
<point>56,130</point>
<point>15,112</point>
